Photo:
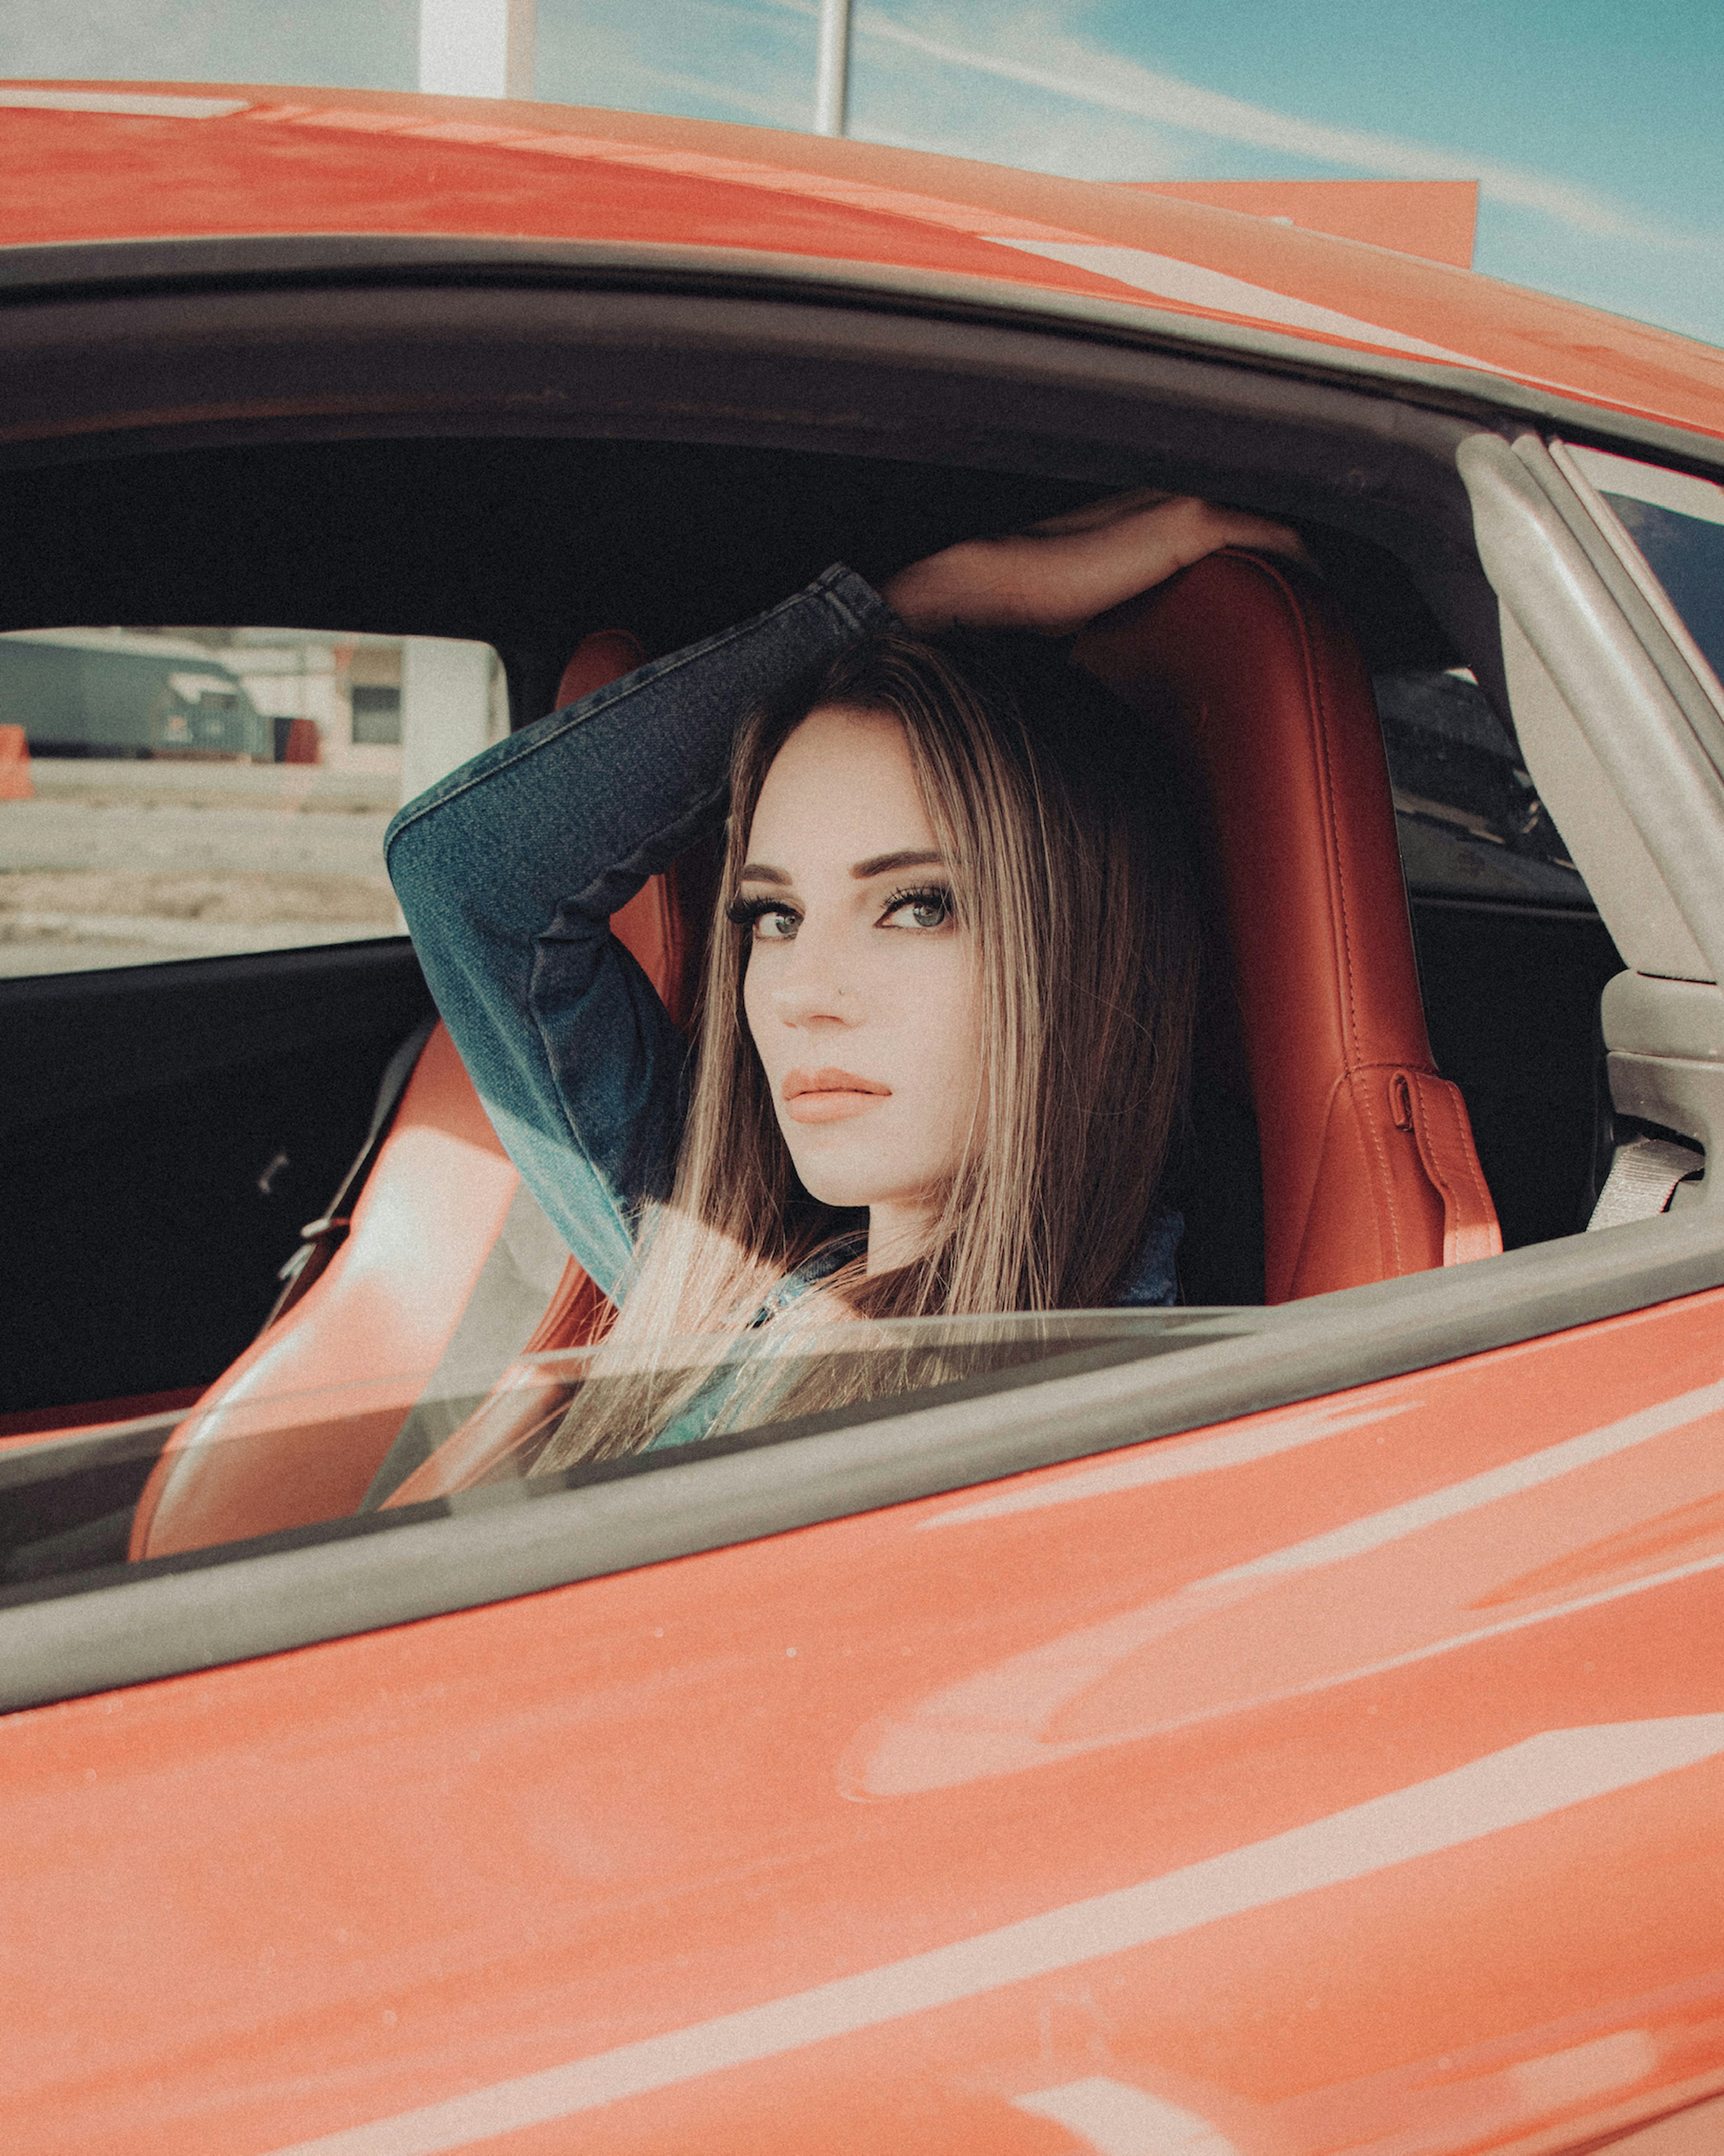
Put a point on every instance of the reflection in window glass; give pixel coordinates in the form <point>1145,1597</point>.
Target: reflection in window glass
<point>197,791</point>
<point>376,715</point>
<point>1470,822</point>
<point>68,1499</point>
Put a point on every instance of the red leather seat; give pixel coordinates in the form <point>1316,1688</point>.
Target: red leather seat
<point>1369,1169</point>
<point>296,1429</point>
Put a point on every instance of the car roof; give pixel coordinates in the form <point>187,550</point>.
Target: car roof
<point>115,161</point>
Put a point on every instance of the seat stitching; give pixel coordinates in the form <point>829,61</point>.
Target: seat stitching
<point>1319,709</point>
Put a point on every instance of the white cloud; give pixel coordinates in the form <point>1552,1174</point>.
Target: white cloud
<point>1023,87</point>
<point>713,59</point>
<point>1034,51</point>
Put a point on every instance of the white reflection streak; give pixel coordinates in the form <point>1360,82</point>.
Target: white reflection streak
<point>1191,285</point>
<point>1118,2120</point>
<point>919,1751</point>
<point>992,1722</point>
<point>19,97</point>
<point>1505,1790</point>
<point>1172,1463</point>
<point>1496,1483</point>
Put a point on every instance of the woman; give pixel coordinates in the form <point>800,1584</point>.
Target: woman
<point>944,1037</point>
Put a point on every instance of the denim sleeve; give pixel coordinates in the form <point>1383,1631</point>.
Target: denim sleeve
<point>508,872</point>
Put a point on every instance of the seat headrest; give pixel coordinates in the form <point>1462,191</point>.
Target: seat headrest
<point>604,657</point>
<point>1368,1168</point>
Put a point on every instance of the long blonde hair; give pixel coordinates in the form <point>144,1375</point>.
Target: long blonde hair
<point>1074,877</point>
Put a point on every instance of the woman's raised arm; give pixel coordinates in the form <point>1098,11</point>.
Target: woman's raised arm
<point>509,870</point>
<point>1057,575</point>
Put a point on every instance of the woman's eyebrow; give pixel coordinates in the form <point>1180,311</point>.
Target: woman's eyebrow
<point>913,857</point>
<point>761,872</point>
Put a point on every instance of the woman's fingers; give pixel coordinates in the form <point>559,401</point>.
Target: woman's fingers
<point>1060,573</point>
<point>1243,529</point>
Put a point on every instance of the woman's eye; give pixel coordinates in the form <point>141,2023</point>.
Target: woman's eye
<point>920,909</point>
<point>766,920</point>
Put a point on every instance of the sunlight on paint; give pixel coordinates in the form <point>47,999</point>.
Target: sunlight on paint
<point>1503,1790</point>
<point>1173,1462</point>
<point>1528,1473</point>
<point>1599,2068</point>
<point>127,104</point>
<point>1188,283</point>
<point>1116,2119</point>
<point>996,1721</point>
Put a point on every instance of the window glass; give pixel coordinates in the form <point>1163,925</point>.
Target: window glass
<point>1470,822</point>
<point>1668,529</point>
<point>67,1499</point>
<point>186,793</point>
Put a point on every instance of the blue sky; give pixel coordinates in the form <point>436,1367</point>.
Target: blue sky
<point>1593,127</point>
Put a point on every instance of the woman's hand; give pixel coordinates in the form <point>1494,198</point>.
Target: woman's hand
<point>1057,575</point>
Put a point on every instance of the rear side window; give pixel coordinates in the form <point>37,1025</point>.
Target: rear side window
<point>186,793</point>
<point>1470,822</point>
<point>1668,529</point>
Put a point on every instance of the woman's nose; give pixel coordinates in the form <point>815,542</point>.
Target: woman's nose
<point>810,989</point>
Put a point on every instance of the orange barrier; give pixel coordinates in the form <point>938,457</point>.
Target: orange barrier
<point>305,744</point>
<point>15,784</point>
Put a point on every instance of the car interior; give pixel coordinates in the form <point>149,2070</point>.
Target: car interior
<point>1401,1063</point>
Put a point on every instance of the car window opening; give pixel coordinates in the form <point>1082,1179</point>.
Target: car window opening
<point>194,792</point>
<point>1510,958</point>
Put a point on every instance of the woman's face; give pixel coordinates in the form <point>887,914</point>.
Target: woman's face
<point>860,988</point>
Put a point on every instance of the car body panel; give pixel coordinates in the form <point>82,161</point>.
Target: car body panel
<point>1346,1776</point>
<point>230,160</point>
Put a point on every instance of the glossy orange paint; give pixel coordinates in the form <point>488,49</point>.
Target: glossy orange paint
<point>358,161</point>
<point>1437,219</point>
<point>1346,1778</point>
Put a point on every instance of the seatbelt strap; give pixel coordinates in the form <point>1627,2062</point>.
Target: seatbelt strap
<point>1643,1180</point>
<point>1433,1109</point>
<point>323,1237</point>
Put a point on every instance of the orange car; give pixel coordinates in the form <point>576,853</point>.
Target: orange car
<point>1287,1724</point>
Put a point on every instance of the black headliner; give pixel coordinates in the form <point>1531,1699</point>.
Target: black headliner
<point>526,543</point>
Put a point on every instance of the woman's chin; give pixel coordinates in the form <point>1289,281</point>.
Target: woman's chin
<point>846,1184</point>
<point>845,1192</point>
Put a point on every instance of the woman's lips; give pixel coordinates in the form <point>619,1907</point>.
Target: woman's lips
<point>830,1097</point>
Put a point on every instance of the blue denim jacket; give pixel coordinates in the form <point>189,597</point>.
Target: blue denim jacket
<point>509,870</point>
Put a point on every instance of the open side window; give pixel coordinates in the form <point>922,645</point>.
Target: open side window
<point>718,448</point>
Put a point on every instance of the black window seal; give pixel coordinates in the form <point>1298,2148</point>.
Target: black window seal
<point>88,268</point>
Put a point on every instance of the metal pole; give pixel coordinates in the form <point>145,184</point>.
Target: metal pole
<point>520,69</point>
<point>831,74</point>
<point>477,48</point>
